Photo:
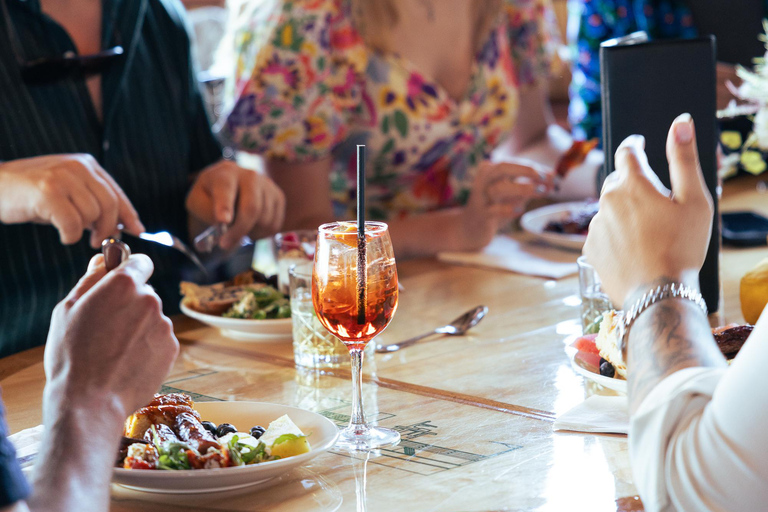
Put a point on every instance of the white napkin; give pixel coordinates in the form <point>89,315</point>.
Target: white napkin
<point>531,258</point>
<point>597,414</point>
<point>27,444</point>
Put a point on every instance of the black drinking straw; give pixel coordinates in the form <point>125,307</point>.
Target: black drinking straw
<point>361,270</point>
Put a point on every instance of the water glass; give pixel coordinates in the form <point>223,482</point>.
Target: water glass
<point>292,248</point>
<point>313,345</point>
<point>594,302</point>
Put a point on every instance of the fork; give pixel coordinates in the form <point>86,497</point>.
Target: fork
<point>168,240</point>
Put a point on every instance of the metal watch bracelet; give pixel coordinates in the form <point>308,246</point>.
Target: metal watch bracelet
<point>651,297</point>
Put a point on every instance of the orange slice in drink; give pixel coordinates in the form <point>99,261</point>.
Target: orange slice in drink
<point>346,233</point>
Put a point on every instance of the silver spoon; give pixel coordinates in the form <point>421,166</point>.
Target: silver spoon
<point>456,328</point>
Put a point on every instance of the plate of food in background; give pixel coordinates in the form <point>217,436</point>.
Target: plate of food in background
<point>175,446</point>
<point>245,308</point>
<point>564,224</point>
<point>596,356</point>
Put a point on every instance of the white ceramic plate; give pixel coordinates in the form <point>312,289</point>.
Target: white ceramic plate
<point>321,431</point>
<point>618,385</point>
<point>536,220</point>
<point>241,329</point>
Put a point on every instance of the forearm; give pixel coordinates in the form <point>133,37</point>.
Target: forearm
<point>74,466</point>
<point>670,335</point>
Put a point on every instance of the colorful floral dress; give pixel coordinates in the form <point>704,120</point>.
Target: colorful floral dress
<point>599,20</point>
<point>307,87</point>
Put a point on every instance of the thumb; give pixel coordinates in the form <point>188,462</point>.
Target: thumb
<point>630,159</point>
<point>685,173</point>
<point>138,267</point>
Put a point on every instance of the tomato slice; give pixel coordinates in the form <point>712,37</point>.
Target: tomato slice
<point>586,344</point>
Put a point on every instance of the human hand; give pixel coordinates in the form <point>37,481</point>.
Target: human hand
<point>245,200</point>
<point>499,194</point>
<point>70,191</point>
<point>642,231</point>
<point>109,346</point>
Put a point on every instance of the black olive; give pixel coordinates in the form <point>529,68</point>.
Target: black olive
<point>210,427</point>
<point>257,431</point>
<point>606,368</point>
<point>224,429</point>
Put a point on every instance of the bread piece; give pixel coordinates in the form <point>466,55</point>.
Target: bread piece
<point>214,299</point>
<point>607,343</point>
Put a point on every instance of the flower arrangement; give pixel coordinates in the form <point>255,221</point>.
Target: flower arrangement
<point>749,154</point>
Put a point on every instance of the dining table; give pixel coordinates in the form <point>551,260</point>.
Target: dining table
<point>475,412</point>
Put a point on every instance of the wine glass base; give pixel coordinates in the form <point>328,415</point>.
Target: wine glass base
<point>360,438</point>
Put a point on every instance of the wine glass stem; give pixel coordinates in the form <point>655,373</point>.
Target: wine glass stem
<point>358,414</point>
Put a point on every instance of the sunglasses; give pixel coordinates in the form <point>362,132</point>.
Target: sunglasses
<point>52,69</point>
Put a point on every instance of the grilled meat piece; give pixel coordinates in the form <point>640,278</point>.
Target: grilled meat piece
<point>730,340</point>
<point>192,432</point>
<point>172,399</point>
<point>138,423</point>
<point>164,433</point>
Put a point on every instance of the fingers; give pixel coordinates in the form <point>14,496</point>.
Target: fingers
<point>223,193</point>
<point>82,199</point>
<point>64,216</point>
<point>104,225</point>
<point>138,267</point>
<point>113,205</point>
<point>517,172</point>
<point>632,165</point>
<point>684,168</point>
<point>126,213</point>
<point>250,207</point>
<point>506,190</point>
<point>507,182</point>
<point>628,159</point>
<point>213,195</point>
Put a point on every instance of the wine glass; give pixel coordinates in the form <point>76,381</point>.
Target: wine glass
<point>356,310</point>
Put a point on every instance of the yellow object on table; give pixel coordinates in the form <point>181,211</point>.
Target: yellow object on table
<point>754,292</point>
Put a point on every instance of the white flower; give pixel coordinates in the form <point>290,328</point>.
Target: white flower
<point>760,128</point>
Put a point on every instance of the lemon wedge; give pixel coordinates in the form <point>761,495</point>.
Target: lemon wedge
<point>284,439</point>
<point>754,292</point>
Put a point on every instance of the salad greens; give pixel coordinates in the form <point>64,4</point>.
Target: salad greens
<point>285,437</point>
<point>171,455</point>
<point>261,304</point>
<point>244,453</point>
<point>594,327</point>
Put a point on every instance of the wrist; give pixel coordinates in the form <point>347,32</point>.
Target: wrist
<point>688,278</point>
<point>82,411</point>
<point>78,451</point>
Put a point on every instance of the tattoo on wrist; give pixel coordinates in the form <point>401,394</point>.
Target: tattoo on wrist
<point>671,335</point>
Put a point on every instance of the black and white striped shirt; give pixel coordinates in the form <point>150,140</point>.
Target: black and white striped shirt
<point>154,135</point>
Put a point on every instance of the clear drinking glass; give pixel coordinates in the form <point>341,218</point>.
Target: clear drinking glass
<point>594,302</point>
<point>313,345</point>
<point>292,248</point>
<point>355,300</point>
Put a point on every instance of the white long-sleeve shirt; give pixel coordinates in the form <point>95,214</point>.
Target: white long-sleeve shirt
<point>699,441</point>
